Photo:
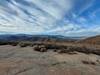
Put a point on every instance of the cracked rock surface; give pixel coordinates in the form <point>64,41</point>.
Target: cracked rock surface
<point>15,60</point>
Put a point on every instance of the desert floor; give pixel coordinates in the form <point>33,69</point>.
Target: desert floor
<point>15,60</point>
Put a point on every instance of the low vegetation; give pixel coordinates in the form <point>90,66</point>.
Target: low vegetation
<point>24,44</point>
<point>40,48</point>
<point>88,62</point>
<point>68,48</point>
<point>13,43</point>
<point>59,47</point>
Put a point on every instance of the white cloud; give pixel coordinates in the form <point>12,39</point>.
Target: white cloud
<point>41,16</point>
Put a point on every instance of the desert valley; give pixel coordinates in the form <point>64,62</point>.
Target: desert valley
<point>49,55</point>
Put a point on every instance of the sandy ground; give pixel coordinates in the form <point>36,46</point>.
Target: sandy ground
<point>26,61</point>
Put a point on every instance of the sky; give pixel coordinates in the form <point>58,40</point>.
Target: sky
<point>50,17</point>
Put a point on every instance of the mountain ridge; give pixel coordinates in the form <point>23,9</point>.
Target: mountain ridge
<point>26,37</point>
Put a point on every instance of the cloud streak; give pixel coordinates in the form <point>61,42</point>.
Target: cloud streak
<point>46,17</point>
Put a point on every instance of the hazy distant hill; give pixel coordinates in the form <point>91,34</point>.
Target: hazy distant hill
<point>92,40</point>
<point>24,37</point>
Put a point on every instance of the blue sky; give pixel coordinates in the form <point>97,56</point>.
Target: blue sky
<point>55,17</point>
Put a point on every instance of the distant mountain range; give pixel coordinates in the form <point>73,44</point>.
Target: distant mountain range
<point>25,37</point>
<point>53,38</point>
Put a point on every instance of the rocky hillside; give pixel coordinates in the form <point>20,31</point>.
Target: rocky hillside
<point>92,40</point>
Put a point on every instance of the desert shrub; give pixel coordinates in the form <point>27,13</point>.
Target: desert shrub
<point>67,48</point>
<point>36,48</point>
<point>13,43</point>
<point>23,44</point>
<point>97,52</point>
<point>55,50</point>
<point>72,53</point>
<point>55,46</point>
<point>89,62</point>
<point>3,43</point>
<point>43,49</point>
<point>40,48</point>
<point>89,50</point>
<point>62,51</point>
<point>31,45</point>
<point>51,46</point>
<point>75,48</point>
<point>70,48</point>
<point>98,61</point>
<point>85,62</point>
<point>82,49</point>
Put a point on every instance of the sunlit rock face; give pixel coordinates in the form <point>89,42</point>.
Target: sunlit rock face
<point>63,17</point>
